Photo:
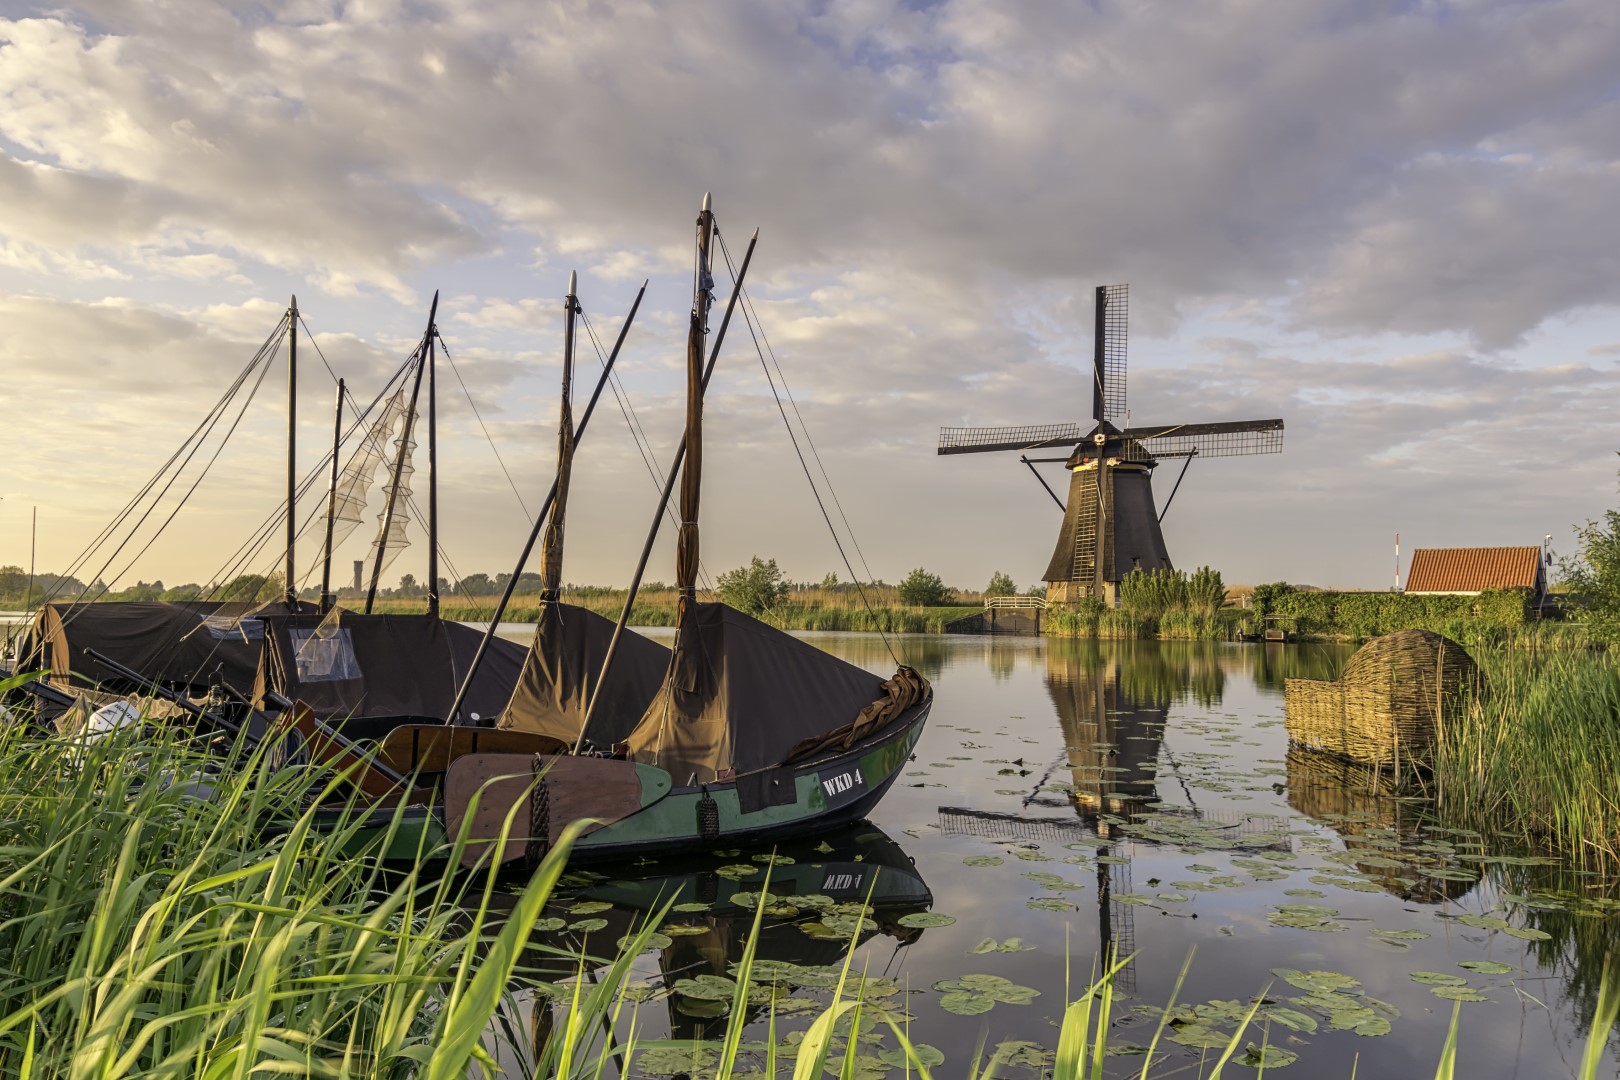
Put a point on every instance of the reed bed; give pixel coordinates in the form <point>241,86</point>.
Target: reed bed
<point>1536,755</point>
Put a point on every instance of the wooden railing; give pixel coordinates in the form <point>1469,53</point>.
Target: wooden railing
<point>1024,602</point>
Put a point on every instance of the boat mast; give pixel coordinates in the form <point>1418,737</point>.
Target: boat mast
<point>331,504</point>
<point>539,522</point>
<point>433,471</point>
<point>686,542</point>
<point>399,459</point>
<point>551,548</point>
<point>669,486</point>
<point>292,449</point>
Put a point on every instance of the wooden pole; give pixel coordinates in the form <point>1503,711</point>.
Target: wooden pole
<point>399,459</point>
<point>291,591</point>
<point>540,521</point>
<point>433,472</point>
<point>658,517</point>
<point>331,503</point>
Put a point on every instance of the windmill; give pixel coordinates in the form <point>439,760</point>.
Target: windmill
<point>1109,524</point>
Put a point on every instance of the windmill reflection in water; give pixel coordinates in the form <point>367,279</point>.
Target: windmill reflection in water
<point>1112,702</point>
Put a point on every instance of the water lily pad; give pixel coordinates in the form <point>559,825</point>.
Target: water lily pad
<point>1199,1037</point>
<point>1050,903</point>
<point>1484,922</point>
<point>1400,935</point>
<point>707,988</point>
<point>1267,1057</point>
<point>684,929</point>
<point>919,919</point>
<point>667,1061</point>
<point>1021,1053</point>
<point>982,860</point>
<point>737,870</point>
<point>1292,1019</point>
<point>1438,978</point>
<point>974,994</point>
<point>1487,967</point>
<point>931,1056</point>
<point>1324,982</point>
<point>991,945</point>
<point>586,926</point>
<point>655,940</point>
<point>687,909</point>
<point>1457,993</point>
<point>1377,1025</point>
<point>551,923</point>
<point>1527,933</point>
<point>589,907</point>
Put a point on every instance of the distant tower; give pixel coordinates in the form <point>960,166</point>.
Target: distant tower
<point>1109,524</point>
<point>359,574</point>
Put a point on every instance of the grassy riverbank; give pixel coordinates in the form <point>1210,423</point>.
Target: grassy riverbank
<point>804,609</point>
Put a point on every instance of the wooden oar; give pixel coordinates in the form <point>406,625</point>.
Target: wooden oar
<point>429,749</point>
<point>547,792</point>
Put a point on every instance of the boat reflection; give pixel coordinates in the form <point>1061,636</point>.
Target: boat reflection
<point>816,890</point>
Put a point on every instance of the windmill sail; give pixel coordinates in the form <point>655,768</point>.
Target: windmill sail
<point>1113,330</point>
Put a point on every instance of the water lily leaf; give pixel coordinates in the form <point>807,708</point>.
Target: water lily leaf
<point>687,909</point>
<point>919,919</point>
<point>655,940</point>
<point>1267,1057</point>
<point>1457,993</point>
<point>1438,978</point>
<point>586,926</point>
<point>737,870</point>
<point>1377,1025</point>
<point>1050,903</point>
<point>1292,1019</point>
<point>1136,899</point>
<point>1484,922</point>
<point>1199,1036</point>
<point>1487,967</point>
<point>982,860</point>
<point>1021,1053</point>
<point>1400,935</point>
<point>550,924</point>
<point>667,1061</point>
<point>1527,933</point>
<point>706,987</point>
<point>589,907</point>
<point>974,994</point>
<point>1322,982</point>
<point>1173,897</point>
<point>931,1057</point>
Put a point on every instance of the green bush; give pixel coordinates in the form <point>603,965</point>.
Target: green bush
<point>1593,577</point>
<point>755,588</point>
<point>924,589</point>
<point>1369,614</point>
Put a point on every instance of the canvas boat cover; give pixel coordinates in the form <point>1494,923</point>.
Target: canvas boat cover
<point>741,695</point>
<point>349,664</point>
<point>560,674</point>
<point>194,644</point>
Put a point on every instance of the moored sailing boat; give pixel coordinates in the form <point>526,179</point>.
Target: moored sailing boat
<point>752,735</point>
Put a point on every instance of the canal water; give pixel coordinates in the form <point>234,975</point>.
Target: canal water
<point>1072,800</point>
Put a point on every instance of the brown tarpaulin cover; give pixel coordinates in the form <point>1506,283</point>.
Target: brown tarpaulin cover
<point>560,672</point>
<point>191,643</point>
<point>743,695</point>
<point>383,665</point>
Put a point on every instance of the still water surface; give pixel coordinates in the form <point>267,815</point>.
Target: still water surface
<point>1072,797</point>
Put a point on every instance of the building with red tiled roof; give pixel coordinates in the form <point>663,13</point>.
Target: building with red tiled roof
<point>1464,571</point>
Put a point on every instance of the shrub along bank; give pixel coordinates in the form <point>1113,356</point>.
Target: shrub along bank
<point>1492,616</point>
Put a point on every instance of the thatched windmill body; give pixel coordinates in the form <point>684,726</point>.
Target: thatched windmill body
<point>1110,526</point>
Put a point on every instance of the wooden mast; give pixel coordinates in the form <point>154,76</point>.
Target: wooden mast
<point>433,470</point>
<point>551,547</point>
<point>290,593</point>
<point>331,503</point>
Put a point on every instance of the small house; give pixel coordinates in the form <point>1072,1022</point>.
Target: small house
<point>1470,571</point>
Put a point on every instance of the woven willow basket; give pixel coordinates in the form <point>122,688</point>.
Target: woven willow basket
<point>1389,705</point>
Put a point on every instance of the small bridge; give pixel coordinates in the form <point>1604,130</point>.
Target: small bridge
<point>1003,615</point>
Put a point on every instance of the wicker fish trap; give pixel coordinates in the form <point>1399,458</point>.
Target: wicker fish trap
<point>1389,705</point>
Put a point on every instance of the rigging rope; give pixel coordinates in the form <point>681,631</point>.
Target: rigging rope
<point>481,427</point>
<point>269,345</point>
<point>807,474</point>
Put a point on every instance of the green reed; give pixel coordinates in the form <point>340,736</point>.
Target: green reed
<point>1536,754</point>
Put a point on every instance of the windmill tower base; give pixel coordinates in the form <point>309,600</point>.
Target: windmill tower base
<point>1117,524</point>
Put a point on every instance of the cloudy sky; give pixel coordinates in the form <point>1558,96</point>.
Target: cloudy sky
<point>1392,224</point>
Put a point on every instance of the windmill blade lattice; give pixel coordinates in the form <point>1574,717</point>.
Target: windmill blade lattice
<point>1113,334</point>
<point>1237,438</point>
